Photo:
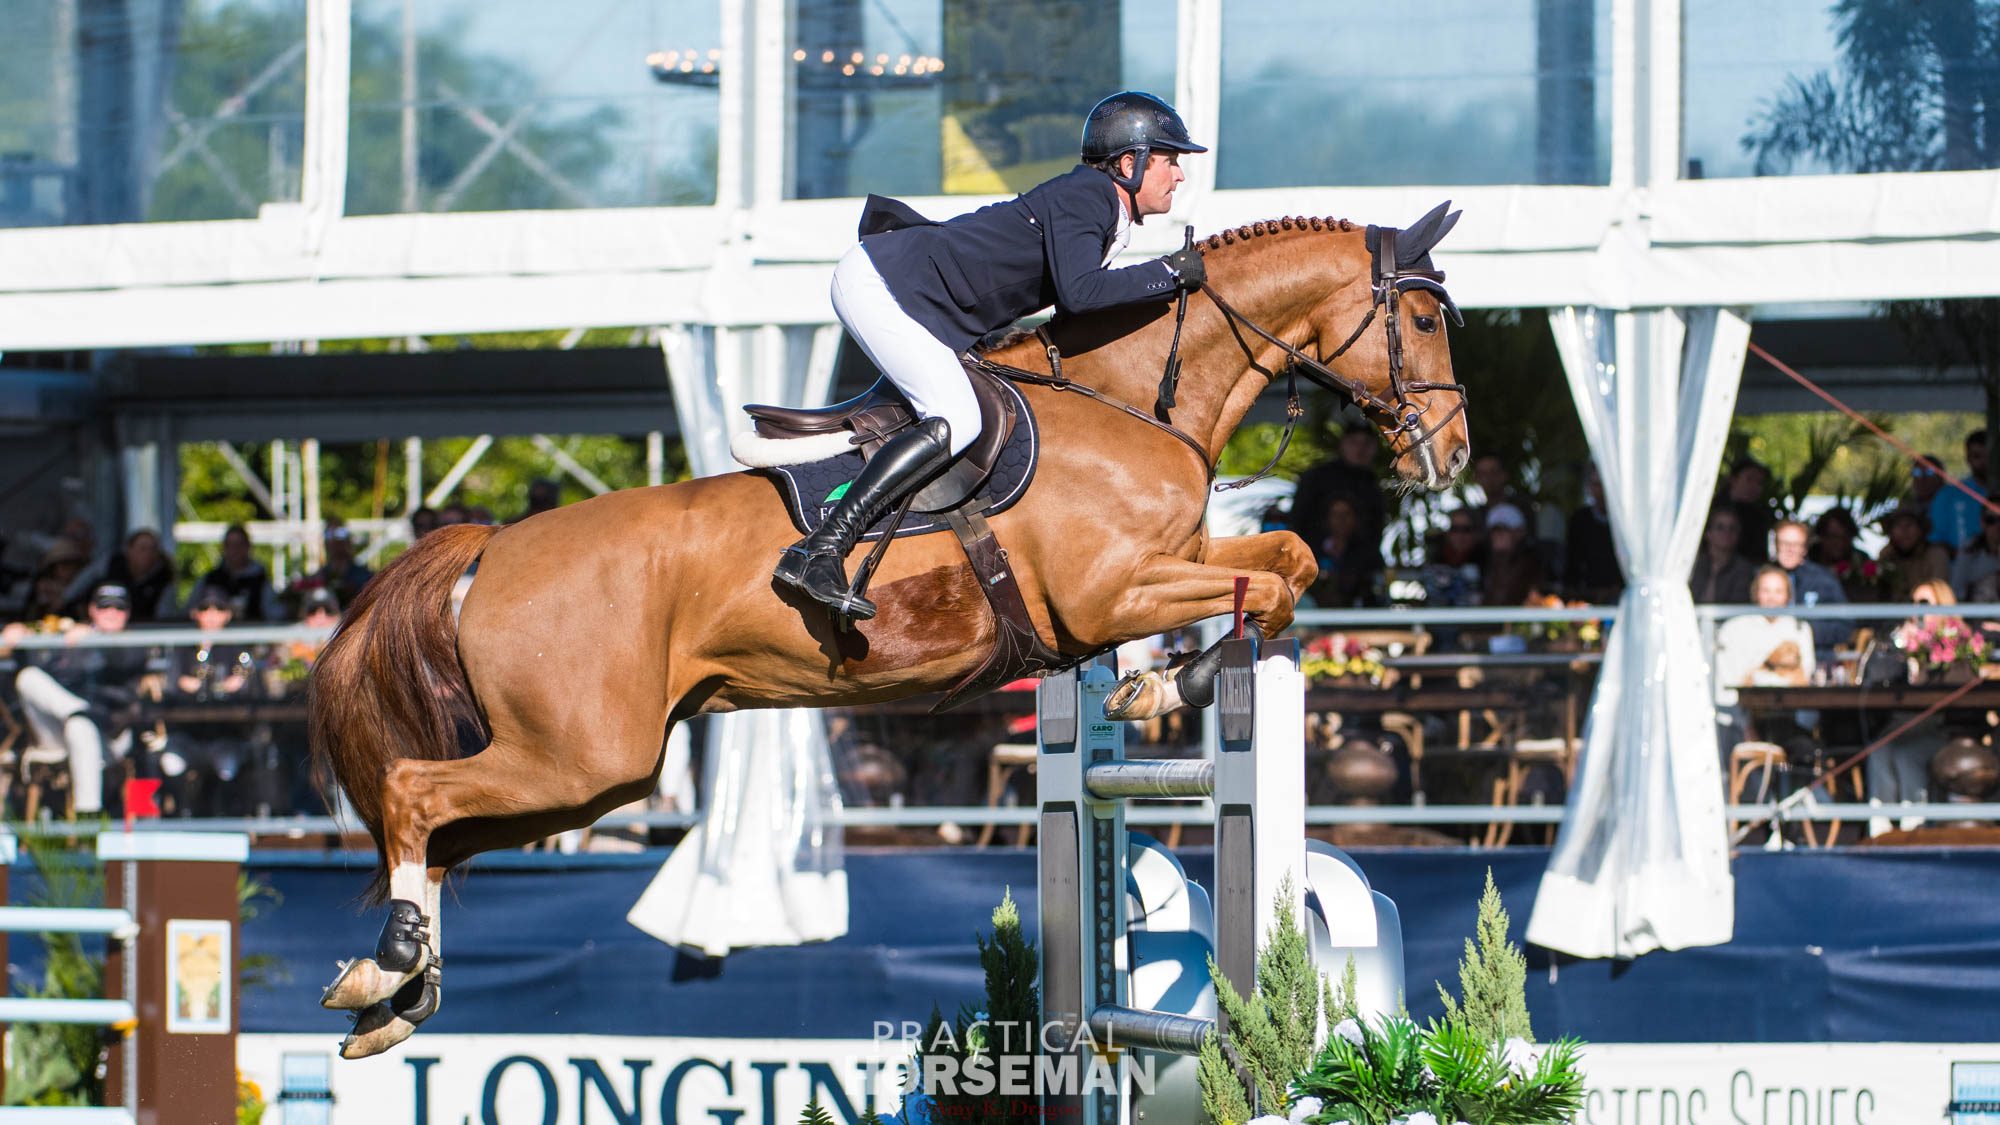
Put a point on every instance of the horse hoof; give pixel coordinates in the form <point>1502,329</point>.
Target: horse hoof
<point>375,1031</point>
<point>362,984</point>
<point>1139,696</point>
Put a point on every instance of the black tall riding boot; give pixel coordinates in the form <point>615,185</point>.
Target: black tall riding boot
<point>815,565</point>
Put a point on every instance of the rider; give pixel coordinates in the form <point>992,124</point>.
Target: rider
<point>916,293</point>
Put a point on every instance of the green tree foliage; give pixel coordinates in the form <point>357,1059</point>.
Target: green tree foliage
<point>1270,1036</point>
<point>252,156</point>
<point>1006,1028</point>
<point>51,1064</point>
<point>1493,977</point>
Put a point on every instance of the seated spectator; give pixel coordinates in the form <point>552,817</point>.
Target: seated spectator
<point>1812,584</point>
<point>1489,472</point>
<point>1924,482</point>
<point>1761,649</point>
<point>1351,475</point>
<point>1451,562</point>
<point>48,586</point>
<point>1350,566</point>
<point>1745,491</point>
<point>74,697</point>
<point>1833,547</point>
<point>1900,771</point>
<point>1590,557</point>
<point>243,579</point>
<point>1909,559</point>
<point>144,569</point>
<point>1721,576</point>
<point>341,573</point>
<point>1513,567</point>
<point>1973,573</point>
<point>451,514</point>
<point>1953,514</point>
<point>202,759</point>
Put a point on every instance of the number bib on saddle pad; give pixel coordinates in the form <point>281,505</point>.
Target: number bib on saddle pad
<point>813,488</point>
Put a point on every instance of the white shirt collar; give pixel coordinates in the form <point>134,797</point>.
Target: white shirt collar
<point>1122,236</point>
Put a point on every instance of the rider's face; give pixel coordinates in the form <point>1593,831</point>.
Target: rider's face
<point>1156,191</point>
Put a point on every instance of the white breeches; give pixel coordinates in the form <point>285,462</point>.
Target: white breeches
<point>922,367</point>
<point>58,719</point>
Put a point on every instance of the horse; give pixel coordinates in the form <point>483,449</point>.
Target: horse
<point>494,686</point>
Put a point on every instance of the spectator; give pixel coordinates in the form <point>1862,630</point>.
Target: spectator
<point>423,521</point>
<point>1745,491</point>
<point>1909,559</point>
<point>73,696</point>
<point>340,573</point>
<point>1924,482</point>
<point>1451,567</point>
<point>1812,584</point>
<point>1350,564</point>
<point>1762,649</point>
<point>146,572</point>
<point>543,495</point>
<point>1954,516</point>
<point>452,513</point>
<point>1834,533</point>
<point>202,759</point>
<point>242,579</point>
<point>479,514</point>
<point>1901,770</point>
<point>1513,567</point>
<point>1590,558</point>
<point>1722,575</point>
<point>1975,575</point>
<point>1351,475</point>
<point>49,585</point>
<point>1490,474</point>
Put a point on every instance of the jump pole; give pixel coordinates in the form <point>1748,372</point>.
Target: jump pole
<point>1257,786</point>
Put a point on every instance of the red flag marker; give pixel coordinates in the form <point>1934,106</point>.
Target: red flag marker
<point>139,801</point>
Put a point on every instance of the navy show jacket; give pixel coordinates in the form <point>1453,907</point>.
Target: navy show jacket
<point>976,273</point>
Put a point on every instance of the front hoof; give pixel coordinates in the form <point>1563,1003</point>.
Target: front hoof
<point>375,1031</point>
<point>361,984</point>
<point>1140,696</point>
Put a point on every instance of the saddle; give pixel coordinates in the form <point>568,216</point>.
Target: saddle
<point>881,411</point>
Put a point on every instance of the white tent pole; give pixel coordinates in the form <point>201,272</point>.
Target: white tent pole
<point>464,465</point>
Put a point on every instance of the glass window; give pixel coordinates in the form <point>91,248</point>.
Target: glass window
<point>505,105</point>
<point>928,97</point>
<point>1794,87</point>
<point>149,110</point>
<point>1454,92</point>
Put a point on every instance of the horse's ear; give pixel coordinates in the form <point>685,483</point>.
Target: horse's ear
<point>1424,234</point>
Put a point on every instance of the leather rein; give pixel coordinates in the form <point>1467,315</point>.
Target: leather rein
<point>1387,283</point>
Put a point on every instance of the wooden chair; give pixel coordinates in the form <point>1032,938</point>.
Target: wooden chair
<point>1766,759</point>
<point>1005,758</point>
<point>1523,755</point>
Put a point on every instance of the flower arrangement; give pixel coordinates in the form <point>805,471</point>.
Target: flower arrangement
<point>1935,643</point>
<point>1336,655</point>
<point>1587,632</point>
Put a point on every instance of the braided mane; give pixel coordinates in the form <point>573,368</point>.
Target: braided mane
<point>1273,226</point>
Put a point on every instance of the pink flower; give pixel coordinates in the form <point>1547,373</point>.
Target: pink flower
<point>1940,654</point>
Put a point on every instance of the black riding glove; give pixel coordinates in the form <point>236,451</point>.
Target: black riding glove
<point>1189,273</point>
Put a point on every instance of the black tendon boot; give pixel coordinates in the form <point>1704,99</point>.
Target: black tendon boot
<point>815,565</point>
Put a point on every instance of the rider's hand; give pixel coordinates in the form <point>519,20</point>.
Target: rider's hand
<point>1189,273</point>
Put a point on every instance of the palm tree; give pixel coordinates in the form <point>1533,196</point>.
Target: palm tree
<point>1917,89</point>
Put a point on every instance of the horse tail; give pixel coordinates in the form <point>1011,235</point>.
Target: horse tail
<point>389,684</point>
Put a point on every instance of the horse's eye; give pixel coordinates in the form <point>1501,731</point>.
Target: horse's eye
<point>1428,325</point>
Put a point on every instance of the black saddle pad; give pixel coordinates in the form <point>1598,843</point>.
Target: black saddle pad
<point>811,489</point>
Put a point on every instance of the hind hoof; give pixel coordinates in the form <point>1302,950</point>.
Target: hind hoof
<point>362,984</point>
<point>1140,696</point>
<point>375,1031</point>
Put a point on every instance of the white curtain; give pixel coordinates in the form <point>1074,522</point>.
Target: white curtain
<point>765,866</point>
<point>1642,860</point>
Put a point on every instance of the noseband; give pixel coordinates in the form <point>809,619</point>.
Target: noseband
<point>1387,281</point>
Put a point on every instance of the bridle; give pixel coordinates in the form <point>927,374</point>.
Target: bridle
<point>1387,281</point>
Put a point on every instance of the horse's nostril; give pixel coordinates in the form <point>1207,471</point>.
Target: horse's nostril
<point>1455,464</point>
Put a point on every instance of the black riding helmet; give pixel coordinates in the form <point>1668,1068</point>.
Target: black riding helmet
<point>1137,123</point>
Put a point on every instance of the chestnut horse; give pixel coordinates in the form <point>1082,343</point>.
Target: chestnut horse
<point>585,633</point>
